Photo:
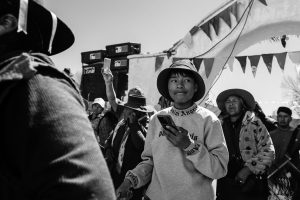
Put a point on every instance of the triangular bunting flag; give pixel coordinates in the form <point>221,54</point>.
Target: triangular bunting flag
<point>158,62</point>
<point>225,15</point>
<point>254,60</point>
<point>208,63</point>
<point>206,29</point>
<point>215,22</point>
<point>254,69</point>
<point>263,2</point>
<point>230,63</point>
<point>176,59</point>
<point>295,57</point>
<point>268,58</point>
<point>197,62</point>
<point>188,40</point>
<point>194,30</point>
<point>243,62</point>
<point>281,57</point>
<point>234,10</point>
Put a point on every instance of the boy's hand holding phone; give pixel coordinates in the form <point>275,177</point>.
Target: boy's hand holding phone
<point>166,120</point>
<point>178,136</point>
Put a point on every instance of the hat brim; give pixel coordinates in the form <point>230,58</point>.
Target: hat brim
<point>40,18</point>
<point>162,83</point>
<point>244,94</point>
<point>143,109</point>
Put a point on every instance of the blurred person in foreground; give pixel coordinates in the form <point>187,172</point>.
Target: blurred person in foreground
<point>181,162</point>
<point>48,148</point>
<point>251,150</point>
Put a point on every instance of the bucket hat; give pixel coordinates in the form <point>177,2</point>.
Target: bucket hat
<point>136,101</point>
<point>244,94</point>
<point>180,65</point>
<point>54,36</point>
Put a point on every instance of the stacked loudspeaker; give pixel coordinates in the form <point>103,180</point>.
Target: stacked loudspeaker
<point>92,83</point>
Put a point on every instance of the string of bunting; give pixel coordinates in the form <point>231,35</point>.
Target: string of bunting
<point>213,25</point>
<point>294,56</point>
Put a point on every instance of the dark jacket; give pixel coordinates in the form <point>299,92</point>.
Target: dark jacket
<point>132,156</point>
<point>48,149</point>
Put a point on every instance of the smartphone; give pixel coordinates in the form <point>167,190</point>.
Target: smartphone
<point>106,66</point>
<point>166,120</point>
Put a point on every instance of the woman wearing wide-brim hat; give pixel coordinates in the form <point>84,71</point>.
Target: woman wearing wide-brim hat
<point>247,97</point>
<point>250,147</point>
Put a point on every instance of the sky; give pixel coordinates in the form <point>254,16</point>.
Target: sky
<point>157,25</point>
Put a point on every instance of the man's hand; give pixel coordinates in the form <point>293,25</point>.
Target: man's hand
<point>179,138</point>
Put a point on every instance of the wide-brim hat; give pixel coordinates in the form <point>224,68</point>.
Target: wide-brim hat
<point>54,35</point>
<point>137,103</point>
<point>180,65</point>
<point>244,94</point>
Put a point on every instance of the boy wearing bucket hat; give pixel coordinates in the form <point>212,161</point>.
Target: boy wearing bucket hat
<point>48,148</point>
<point>181,162</point>
<point>250,147</point>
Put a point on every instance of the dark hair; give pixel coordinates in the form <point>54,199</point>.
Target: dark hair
<point>184,73</point>
<point>285,110</point>
<point>258,111</point>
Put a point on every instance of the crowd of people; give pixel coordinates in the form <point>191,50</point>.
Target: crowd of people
<point>52,149</point>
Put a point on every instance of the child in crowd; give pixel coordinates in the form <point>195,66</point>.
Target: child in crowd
<point>180,162</point>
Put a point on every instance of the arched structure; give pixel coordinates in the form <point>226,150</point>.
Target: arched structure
<point>225,33</point>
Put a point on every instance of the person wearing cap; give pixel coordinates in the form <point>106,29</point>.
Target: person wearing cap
<point>103,121</point>
<point>126,143</point>
<point>287,143</point>
<point>181,162</point>
<point>251,150</point>
<point>48,149</point>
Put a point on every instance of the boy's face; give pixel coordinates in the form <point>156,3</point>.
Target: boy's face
<point>182,89</point>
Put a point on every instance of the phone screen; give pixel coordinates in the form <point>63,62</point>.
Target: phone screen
<point>166,120</point>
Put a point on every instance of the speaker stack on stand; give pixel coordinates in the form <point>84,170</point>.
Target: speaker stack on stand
<point>92,83</point>
<point>120,64</point>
